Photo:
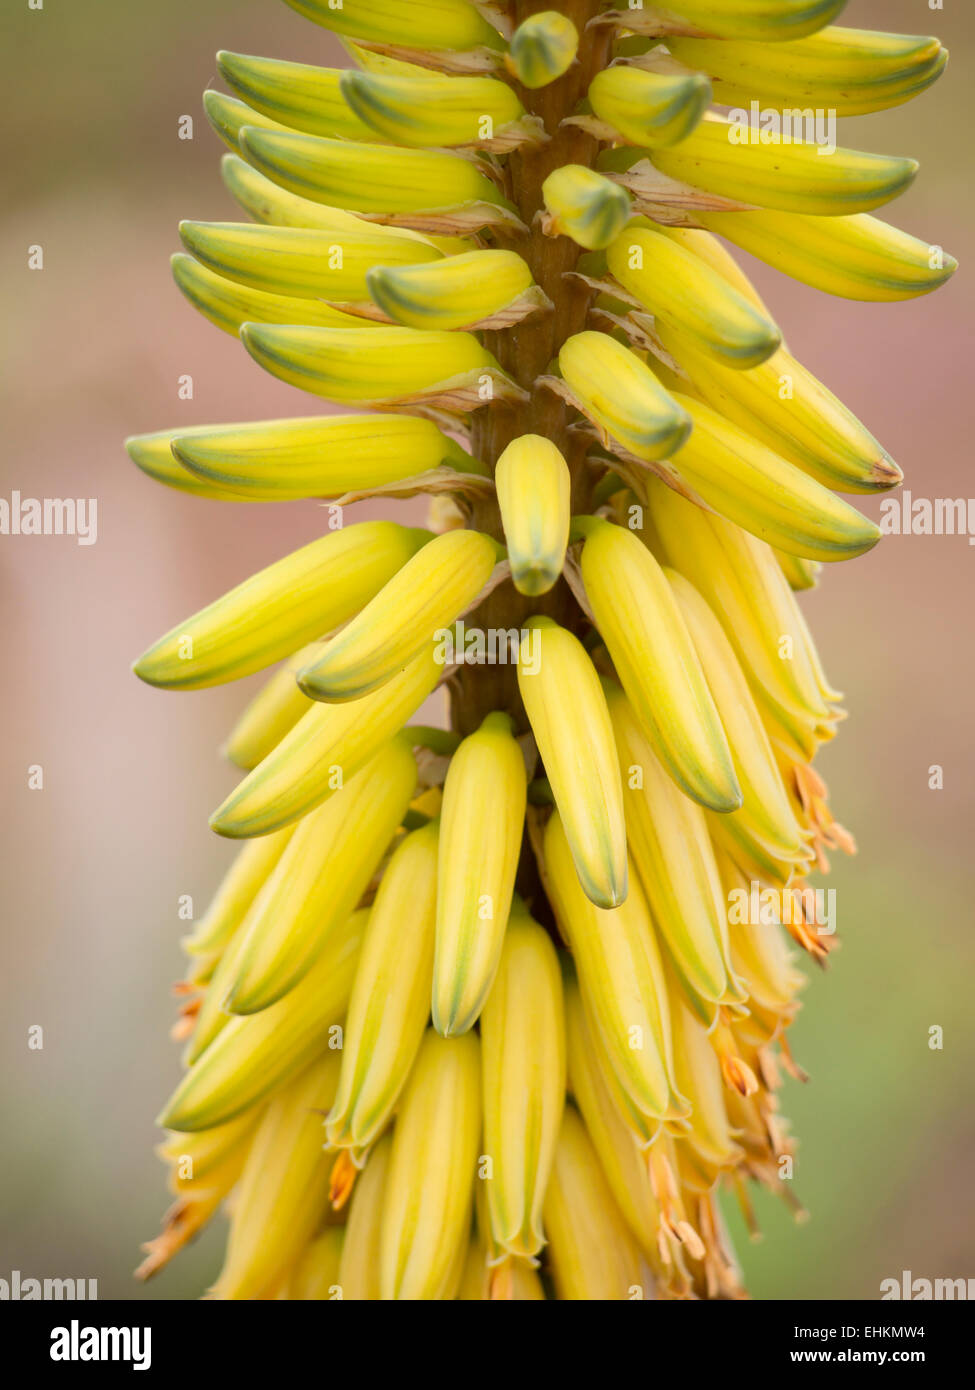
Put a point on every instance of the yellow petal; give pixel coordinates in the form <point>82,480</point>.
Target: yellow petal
<point>575,740</point>
<point>281,608</point>
<point>427,1202</point>
<point>523,1056</point>
<point>390,1001</point>
<point>480,841</point>
<point>421,600</point>
<point>320,878</point>
<point>593,1256</point>
<point>326,748</point>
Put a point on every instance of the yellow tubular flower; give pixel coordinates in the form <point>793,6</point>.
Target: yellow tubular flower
<point>326,747</point>
<point>293,94</point>
<point>359,1266</point>
<point>621,975</point>
<point>315,1276</point>
<point>710,1140</point>
<point>379,365</point>
<point>270,615</point>
<point>684,292</point>
<point>765,815</point>
<point>390,1000</point>
<point>593,1254</point>
<point>270,204</point>
<point>242,882</point>
<point>585,206</point>
<point>368,178</point>
<point>228,304</point>
<point>542,48</point>
<point>849,71</point>
<point>784,406</point>
<point>791,178</point>
<point>322,456</point>
<point>669,842</point>
<point>621,396</point>
<point>494,1003</point>
<point>480,839</point>
<point>283,1191</point>
<point>856,257</point>
<point>447,24</point>
<point>747,483</point>
<point>251,1057</point>
<point>523,1056</point>
<point>623,1162</point>
<point>402,617</point>
<point>306,264</point>
<point>273,712</point>
<point>648,108</point>
<point>429,1186</point>
<point>320,877</point>
<point>773,20</point>
<point>533,486</point>
<point>742,583</point>
<point>203,1168</point>
<point>656,663</point>
<point>435,111</point>
<point>482,289</point>
<point>575,740</point>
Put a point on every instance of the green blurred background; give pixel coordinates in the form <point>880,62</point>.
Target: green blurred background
<point>94,864</point>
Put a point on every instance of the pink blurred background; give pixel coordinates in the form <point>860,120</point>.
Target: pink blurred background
<point>94,864</point>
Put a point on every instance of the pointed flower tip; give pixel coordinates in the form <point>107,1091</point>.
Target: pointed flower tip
<point>168,1117</point>
<point>610,892</point>
<point>222,822</point>
<point>142,667</point>
<point>542,49</point>
<point>886,472</point>
<point>311,685</point>
<point>214,103</point>
<point>240,1000</point>
<point>449,1025</point>
<point>724,800</point>
<point>535,580</point>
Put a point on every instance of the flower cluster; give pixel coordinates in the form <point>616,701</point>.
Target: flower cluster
<point>469,1017</point>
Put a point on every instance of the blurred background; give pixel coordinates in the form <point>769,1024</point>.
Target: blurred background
<point>94,864</point>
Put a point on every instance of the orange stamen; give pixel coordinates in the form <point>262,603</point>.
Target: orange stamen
<point>342,1181</point>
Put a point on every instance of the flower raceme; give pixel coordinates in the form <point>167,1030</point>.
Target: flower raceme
<point>469,1016</point>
